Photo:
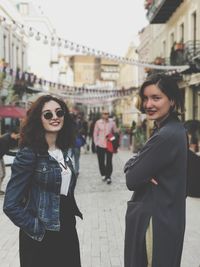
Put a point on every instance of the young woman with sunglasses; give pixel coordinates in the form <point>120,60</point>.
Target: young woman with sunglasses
<point>39,197</point>
<point>155,218</point>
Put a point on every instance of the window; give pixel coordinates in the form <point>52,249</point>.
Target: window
<point>164,49</point>
<point>195,103</point>
<point>171,39</point>
<point>4,47</point>
<point>23,8</point>
<point>22,65</point>
<point>17,56</point>
<point>194,26</point>
<point>12,55</point>
<point>182,32</point>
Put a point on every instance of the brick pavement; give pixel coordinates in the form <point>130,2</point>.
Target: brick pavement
<point>101,233</point>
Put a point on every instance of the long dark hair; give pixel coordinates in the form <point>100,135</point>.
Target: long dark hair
<point>33,132</point>
<point>168,85</point>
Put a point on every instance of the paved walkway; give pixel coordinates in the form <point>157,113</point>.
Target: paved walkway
<point>101,233</point>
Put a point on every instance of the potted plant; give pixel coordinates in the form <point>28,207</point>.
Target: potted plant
<point>148,3</point>
<point>159,61</point>
<point>179,46</point>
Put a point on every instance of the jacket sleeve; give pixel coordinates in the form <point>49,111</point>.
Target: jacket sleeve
<point>16,190</point>
<point>156,154</point>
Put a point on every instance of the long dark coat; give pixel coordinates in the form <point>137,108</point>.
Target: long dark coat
<point>164,158</point>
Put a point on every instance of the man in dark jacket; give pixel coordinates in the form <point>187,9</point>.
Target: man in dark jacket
<point>81,135</point>
<point>193,181</point>
<point>7,141</point>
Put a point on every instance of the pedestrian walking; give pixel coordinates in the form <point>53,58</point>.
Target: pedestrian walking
<point>155,217</point>
<point>80,140</point>
<point>91,134</point>
<point>7,141</point>
<point>103,127</point>
<point>39,197</point>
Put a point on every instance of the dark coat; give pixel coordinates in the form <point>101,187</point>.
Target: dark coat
<point>164,158</point>
<point>4,144</point>
<point>193,181</point>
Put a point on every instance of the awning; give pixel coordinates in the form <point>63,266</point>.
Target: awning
<point>12,112</point>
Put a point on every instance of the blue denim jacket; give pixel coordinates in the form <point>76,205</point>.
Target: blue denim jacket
<point>32,198</point>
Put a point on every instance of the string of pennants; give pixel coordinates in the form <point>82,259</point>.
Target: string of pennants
<point>80,94</point>
<point>66,44</point>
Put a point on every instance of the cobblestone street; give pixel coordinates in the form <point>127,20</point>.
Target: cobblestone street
<point>101,232</point>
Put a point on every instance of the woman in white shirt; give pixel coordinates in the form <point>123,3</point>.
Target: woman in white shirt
<point>39,197</point>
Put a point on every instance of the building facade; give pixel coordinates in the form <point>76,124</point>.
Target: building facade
<point>177,43</point>
<point>13,48</point>
<point>40,32</point>
<point>128,78</point>
<point>92,73</point>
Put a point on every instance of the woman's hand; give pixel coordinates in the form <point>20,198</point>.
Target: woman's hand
<point>153,181</point>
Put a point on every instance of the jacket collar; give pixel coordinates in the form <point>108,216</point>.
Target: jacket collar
<point>170,117</point>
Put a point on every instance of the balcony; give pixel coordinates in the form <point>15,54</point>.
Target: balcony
<point>159,11</point>
<point>192,54</point>
<point>181,54</point>
<point>186,54</point>
<point>157,61</point>
<point>177,54</point>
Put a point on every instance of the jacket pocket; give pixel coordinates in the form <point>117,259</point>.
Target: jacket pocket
<point>45,177</point>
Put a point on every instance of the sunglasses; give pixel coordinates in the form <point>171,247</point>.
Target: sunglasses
<point>48,115</point>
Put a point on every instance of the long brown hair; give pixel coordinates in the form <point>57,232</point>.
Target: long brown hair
<point>33,132</point>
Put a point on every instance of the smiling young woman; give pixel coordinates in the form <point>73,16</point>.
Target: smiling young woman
<point>155,218</point>
<point>39,197</point>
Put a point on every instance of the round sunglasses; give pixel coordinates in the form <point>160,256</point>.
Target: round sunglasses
<point>48,115</point>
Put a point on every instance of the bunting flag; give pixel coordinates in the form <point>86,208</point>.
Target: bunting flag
<point>78,94</point>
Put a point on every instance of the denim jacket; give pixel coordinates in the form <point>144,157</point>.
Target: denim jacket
<point>32,198</point>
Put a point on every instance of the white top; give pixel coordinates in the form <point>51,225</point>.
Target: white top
<point>66,172</point>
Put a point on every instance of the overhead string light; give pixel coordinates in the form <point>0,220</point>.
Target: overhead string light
<point>77,48</point>
<point>3,21</point>
<point>31,32</point>
<point>53,42</point>
<point>72,46</point>
<point>90,51</point>
<point>66,45</point>
<point>14,25</point>
<point>45,41</point>
<point>37,37</point>
<point>22,30</point>
<point>59,42</point>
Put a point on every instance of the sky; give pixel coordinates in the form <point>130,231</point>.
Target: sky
<point>106,25</point>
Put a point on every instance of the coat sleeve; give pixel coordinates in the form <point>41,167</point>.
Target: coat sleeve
<point>16,190</point>
<point>157,153</point>
<point>96,133</point>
